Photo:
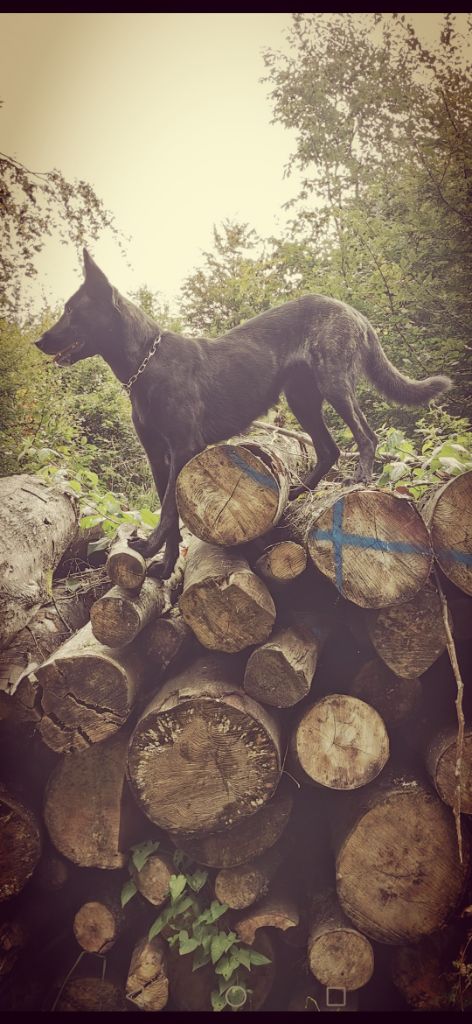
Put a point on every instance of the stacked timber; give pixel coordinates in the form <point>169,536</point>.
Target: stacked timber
<point>214,780</point>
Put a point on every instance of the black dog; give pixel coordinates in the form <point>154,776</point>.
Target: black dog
<point>187,393</point>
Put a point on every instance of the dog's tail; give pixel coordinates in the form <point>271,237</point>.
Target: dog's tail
<point>397,386</point>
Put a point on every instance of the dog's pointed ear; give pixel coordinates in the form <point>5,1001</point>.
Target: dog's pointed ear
<point>95,280</point>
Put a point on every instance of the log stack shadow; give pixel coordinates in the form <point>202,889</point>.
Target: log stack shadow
<point>280,714</point>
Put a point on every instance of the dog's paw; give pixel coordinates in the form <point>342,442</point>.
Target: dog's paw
<point>140,544</point>
<point>295,492</point>
<point>160,570</point>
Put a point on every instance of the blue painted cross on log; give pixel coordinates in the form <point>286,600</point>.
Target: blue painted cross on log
<point>338,538</point>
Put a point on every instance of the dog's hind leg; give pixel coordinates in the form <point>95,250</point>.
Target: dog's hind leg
<point>168,529</point>
<point>345,403</point>
<point>305,401</point>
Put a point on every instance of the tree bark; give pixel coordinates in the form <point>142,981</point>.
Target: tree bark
<point>226,605</point>
<point>119,615</point>
<point>203,754</point>
<point>398,871</point>
<point>339,956</point>
<point>340,742</point>
<point>250,838</point>
<point>147,984</point>
<point>166,639</point>
<point>371,544</point>
<point>20,847</point>
<point>280,672</point>
<point>87,691</point>
<point>447,511</point>
<point>231,493</point>
<point>37,524</point>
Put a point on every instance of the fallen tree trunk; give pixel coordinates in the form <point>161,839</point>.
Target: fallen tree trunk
<point>37,524</point>
<point>447,511</point>
<point>231,493</point>
<point>203,754</point>
<point>339,956</point>
<point>398,873</point>
<point>340,742</point>
<point>87,691</point>
<point>119,615</point>
<point>250,838</point>
<point>147,984</point>
<point>225,604</point>
<point>20,848</point>
<point>371,544</point>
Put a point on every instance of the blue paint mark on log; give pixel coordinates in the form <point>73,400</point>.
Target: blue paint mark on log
<point>261,478</point>
<point>338,538</point>
<point>449,554</point>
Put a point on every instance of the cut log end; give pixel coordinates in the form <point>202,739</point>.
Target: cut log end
<point>449,514</point>
<point>341,742</point>
<point>96,927</point>
<point>341,958</point>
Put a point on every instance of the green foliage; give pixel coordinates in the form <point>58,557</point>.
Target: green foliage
<point>189,924</point>
<point>35,206</point>
<point>438,454</point>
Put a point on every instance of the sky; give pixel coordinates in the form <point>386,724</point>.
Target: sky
<point>165,116</point>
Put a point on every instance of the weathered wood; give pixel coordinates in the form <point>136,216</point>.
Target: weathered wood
<point>231,493</point>
<point>447,510</point>
<point>280,672</point>
<point>191,990</point>
<point>147,984</point>
<point>340,742</point>
<point>120,615</point>
<point>250,838</point>
<point>278,910</point>
<point>20,843</point>
<point>372,544</point>
<point>226,605</point>
<point>282,562</point>
<point>98,923</point>
<point>440,758</point>
<point>37,524</point>
<point>91,995</point>
<point>203,754</point>
<point>393,697</point>
<point>240,887</point>
<point>45,632</point>
<point>83,808</point>
<point>397,866</point>
<point>126,567</point>
<point>86,691</point>
<point>338,955</point>
<point>409,637</point>
<point>166,639</point>
<point>153,878</point>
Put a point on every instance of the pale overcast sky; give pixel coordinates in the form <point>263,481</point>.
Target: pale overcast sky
<point>166,118</point>
<point>164,115</point>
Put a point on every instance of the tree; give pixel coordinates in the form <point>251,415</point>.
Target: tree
<point>35,205</point>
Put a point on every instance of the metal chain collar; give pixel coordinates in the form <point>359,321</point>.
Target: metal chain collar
<point>127,387</point>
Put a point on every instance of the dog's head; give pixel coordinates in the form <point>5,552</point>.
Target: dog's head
<point>88,322</point>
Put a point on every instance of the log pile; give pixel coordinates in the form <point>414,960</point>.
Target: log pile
<point>275,726</point>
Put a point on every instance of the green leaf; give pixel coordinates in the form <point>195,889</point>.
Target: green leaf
<point>182,904</point>
<point>218,1002</point>
<point>258,959</point>
<point>218,946</point>
<point>188,946</point>
<point>197,880</point>
<point>142,852</point>
<point>200,959</point>
<point>85,522</point>
<point>149,518</point>
<point>128,891</point>
<point>160,922</point>
<point>245,958</point>
<point>216,910</point>
<point>177,885</point>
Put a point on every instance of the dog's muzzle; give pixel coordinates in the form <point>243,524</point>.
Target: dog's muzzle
<point>62,356</point>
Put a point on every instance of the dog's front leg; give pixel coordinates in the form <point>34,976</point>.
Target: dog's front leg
<point>168,529</point>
